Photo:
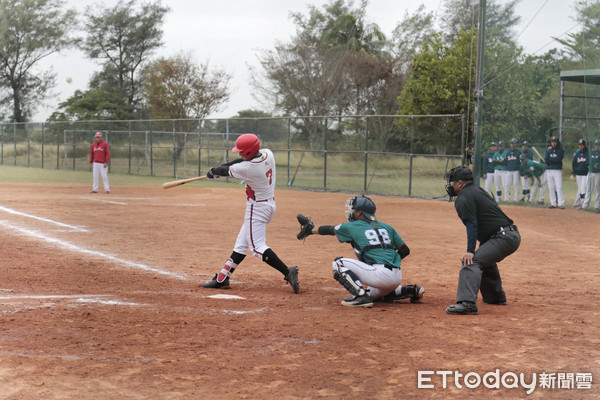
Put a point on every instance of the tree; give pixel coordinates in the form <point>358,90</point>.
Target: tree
<point>439,84</point>
<point>177,88</point>
<point>255,121</point>
<point>30,30</point>
<point>93,104</point>
<point>122,38</point>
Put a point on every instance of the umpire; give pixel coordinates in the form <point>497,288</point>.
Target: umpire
<point>498,238</point>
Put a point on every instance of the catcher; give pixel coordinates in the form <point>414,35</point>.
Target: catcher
<point>379,249</point>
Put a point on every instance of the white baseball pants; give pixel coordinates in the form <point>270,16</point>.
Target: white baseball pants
<point>593,184</point>
<point>581,190</point>
<point>100,169</point>
<point>557,197</point>
<point>541,186</point>
<point>512,177</point>
<point>253,233</point>
<point>379,279</point>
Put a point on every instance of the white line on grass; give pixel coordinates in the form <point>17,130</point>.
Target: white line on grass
<point>98,254</point>
<point>11,211</point>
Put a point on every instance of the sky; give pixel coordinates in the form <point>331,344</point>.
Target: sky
<point>229,35</point>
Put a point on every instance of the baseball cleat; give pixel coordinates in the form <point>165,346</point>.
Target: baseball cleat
<point>464,308</point>
<point>214,284</point>
<point>292,278</point>
<point>364,301</point>
<point>419,292</point>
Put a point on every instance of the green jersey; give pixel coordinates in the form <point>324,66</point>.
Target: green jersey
<point>595,161</point>
<point>534,168</point>
<point>366,242</point>
<point>499,160</point>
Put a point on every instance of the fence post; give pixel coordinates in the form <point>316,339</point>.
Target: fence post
<point>28,146</point>
<point>15,143</point>
<point>199,146</point>
<point>289,152</point>
<point>412,142</point>
<point>57,149</point>
<point>43,140</point>
<point>174,152</point>
<point>324,156</point>
<point>366,155</point>
<point>2,150</point>
<point>74,146</point>
<point>129,147</point>
<point>151,152</point>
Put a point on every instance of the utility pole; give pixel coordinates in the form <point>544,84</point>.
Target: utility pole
<point>479,94</point>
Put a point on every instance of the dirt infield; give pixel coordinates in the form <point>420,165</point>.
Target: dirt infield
<point>100,299</point>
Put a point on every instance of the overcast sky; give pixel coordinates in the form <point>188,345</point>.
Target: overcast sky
<point>230,33</point>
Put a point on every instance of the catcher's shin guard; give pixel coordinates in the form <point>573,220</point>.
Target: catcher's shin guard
<point>347,278</point>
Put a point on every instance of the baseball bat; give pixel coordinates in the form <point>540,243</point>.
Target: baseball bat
<point>537,152</point>
<point>171,184</point>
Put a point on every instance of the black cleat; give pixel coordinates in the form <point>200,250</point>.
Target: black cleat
<point>419,292</point>
<point>359,301</point>
<point>292,278</point>
<point>464,308</point>
<point>214,284</point>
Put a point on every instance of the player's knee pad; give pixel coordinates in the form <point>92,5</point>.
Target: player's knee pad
<point>346,278</point>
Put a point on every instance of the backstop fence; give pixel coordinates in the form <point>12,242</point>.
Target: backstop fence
<point>388,155</point>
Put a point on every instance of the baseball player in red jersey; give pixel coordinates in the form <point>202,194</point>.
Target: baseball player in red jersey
<point>99,159</point>
<point>257,169</point>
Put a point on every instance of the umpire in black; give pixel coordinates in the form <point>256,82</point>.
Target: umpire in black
<point>498,238</point>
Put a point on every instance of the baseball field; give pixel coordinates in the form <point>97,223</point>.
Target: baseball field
<point>100,298</point>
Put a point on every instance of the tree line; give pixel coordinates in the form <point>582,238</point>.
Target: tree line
<point>336,63</point>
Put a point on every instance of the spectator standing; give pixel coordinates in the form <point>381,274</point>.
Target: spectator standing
<point>499,160</point>
<point>525,149</point>
<point>512,171</point>
<point>581,160</point>
<point>488,168</point>
<point>594,177</point>
<point>553,160</point>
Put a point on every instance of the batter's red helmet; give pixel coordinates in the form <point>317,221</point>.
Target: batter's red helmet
<point>247,145</point>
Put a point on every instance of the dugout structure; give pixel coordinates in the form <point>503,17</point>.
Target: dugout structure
<point>579,105</point>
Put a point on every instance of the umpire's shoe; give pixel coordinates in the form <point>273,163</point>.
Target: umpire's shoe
<point>292,278</point>
<point>359,301</point>
<point>214,284</point>
<point>463,308</point>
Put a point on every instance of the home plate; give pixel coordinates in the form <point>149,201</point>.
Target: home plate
<point>226,296</point>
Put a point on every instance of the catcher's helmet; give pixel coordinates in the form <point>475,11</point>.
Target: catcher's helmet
<point>247,145</point>
<point>363,204</point>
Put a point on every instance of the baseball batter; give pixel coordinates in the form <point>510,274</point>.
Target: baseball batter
<point>379,249</point>
<point>99,159</point>
<point>257,169</point>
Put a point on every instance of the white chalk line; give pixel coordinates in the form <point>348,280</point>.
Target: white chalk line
<point>14,212</point>
<point>97,254</point>
<point>109,201</point>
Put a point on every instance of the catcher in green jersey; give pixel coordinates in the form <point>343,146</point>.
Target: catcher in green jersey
<point>379,249</point>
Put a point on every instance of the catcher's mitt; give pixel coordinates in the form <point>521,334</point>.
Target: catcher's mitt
<point>306,226</point>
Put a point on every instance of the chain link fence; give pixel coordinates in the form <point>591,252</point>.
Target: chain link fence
<point>390,155</point>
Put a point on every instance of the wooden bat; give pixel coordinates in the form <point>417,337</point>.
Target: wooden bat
<point>538,153</point>
<point>171,184</point>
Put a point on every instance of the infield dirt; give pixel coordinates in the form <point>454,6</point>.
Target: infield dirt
<point>100,298</point>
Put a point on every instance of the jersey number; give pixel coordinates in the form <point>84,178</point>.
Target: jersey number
<point>374,238</point>
<point>269,175</point>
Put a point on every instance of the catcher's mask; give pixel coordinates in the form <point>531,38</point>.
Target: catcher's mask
<point>457,174</point>
<point>363,204</point>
